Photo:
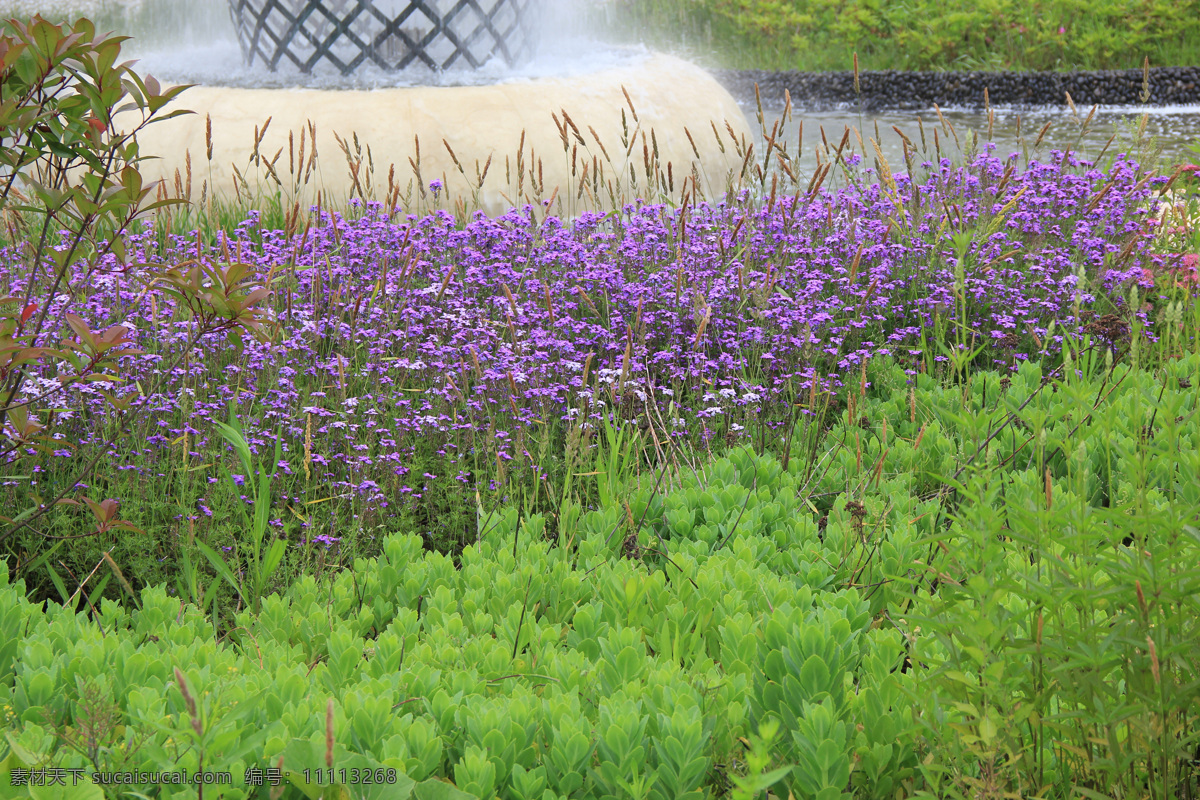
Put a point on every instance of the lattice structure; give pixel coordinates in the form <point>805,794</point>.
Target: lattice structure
<point>389,34</point>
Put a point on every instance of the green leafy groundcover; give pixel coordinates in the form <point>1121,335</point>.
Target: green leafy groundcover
<point>1037,622</point>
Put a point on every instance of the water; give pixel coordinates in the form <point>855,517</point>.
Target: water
<point>193,41</point>
<point>218,62</point>
<point>1170,129</point>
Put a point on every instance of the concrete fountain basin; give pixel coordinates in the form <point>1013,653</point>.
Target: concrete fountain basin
<point>630,135</point>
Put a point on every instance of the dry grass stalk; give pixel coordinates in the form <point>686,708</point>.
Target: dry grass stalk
<point>885,168</point>
<point>1041,134</point>
<point>942,119</point>
<point>717,136</point>
<point>312,155</point>
<point>703,325</point>
<point>329,734</point>
<point>603,150</point>
<point>574,128</point>
<point>189,701</point>
<point>855,262</point>
<point>561,127</point>
<point>308,447</point>
<point>625,359</point>
<point>1155,668</point>
<point>629,100</point>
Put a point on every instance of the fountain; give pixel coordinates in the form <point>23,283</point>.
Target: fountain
<point>401,95</point>
<point>387,33</point>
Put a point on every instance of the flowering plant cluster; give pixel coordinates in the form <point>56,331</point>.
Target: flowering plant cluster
<point>419,363</point>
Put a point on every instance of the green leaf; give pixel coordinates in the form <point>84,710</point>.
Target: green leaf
<point>987,729</point>
<point>400,790</point>
<point>9,763</point>
<point>274,556</point>
<point>58,584</point>
<point>24,758</point>
<point>85,790</point>
<point>218,563</point>
<point>814,676</point>
<point>300,755</point>
<point>759,783</point>
<point>310,790</point>
<point>239,445</point>
<point>434,789</point>
<point>37,562</point>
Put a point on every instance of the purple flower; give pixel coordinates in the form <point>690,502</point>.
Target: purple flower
<point>475,351</point>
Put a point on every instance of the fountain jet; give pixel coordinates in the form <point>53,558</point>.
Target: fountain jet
<point>425,103</point>
<point>388,34</point>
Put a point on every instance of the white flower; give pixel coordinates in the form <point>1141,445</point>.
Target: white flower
<point>607,375</point>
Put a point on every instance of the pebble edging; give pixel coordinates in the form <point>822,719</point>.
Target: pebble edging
<point>892,89</point>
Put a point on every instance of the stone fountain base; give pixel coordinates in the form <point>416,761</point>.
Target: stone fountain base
<point>672,98</point>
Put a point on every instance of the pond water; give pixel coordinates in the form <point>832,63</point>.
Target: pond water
<point>1168,132</point>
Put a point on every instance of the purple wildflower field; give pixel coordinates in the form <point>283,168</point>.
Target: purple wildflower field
<point>417,361</point>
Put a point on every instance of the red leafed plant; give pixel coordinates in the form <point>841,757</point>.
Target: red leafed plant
<point>70,191</point>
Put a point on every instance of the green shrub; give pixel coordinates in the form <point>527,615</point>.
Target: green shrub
<point>998,34</point>
<point>992,636</point>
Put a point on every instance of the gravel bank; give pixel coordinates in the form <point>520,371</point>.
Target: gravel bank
<point>891,89</point>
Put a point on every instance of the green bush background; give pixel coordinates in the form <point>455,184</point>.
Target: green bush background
<point>917,34</point>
